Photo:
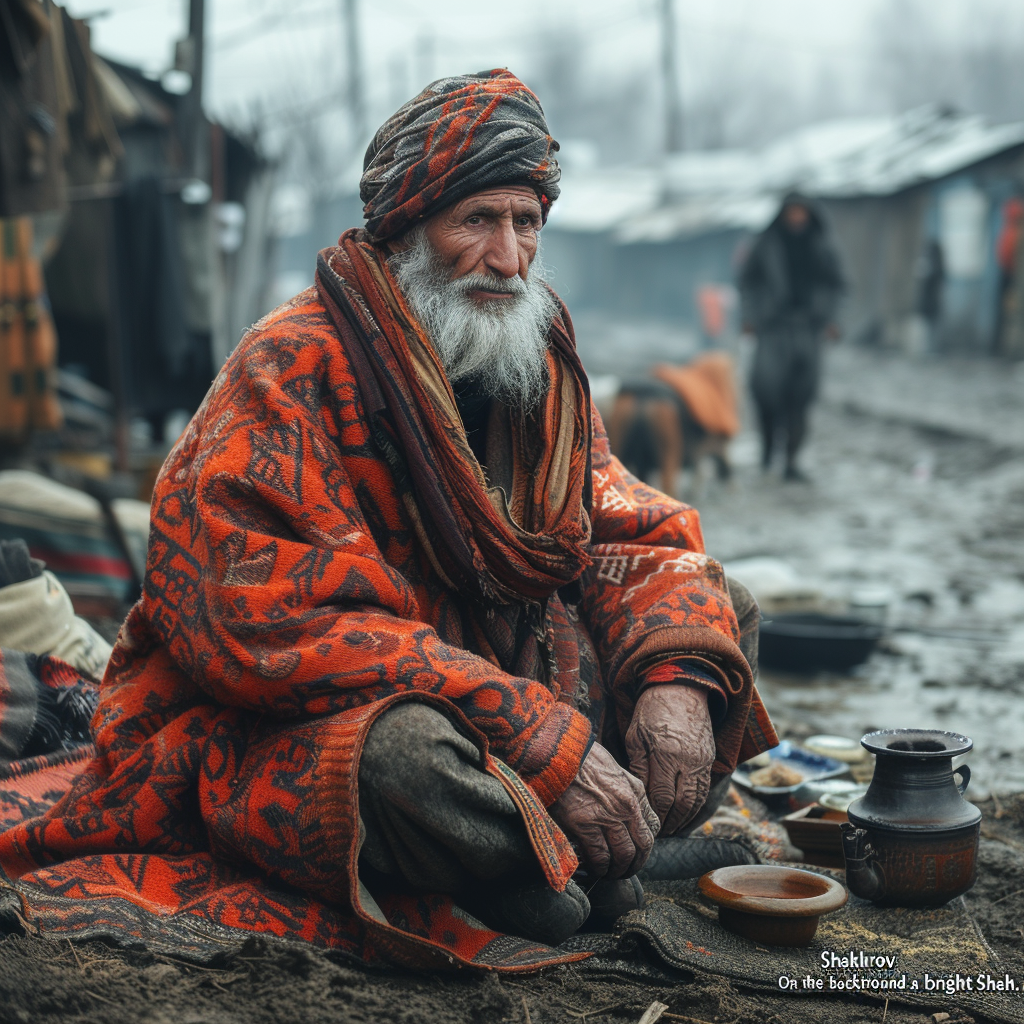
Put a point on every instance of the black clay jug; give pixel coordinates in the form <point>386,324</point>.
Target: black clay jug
<point>912,839</point>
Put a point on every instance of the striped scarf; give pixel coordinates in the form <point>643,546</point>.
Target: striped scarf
<point>502,545</point>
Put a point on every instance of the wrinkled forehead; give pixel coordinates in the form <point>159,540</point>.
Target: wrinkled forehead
<point>519,197</point>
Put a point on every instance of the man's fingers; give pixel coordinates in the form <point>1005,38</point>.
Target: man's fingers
<point>623,850</point>
<point>661,790</point>
<point>643,839</point>
<point>650,816</point>
<point>677,817</point>
<point>638,764</point>
<point>594,850</point>
<point>692,790</point>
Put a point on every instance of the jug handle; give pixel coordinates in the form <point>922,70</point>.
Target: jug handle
<point>965,777</point>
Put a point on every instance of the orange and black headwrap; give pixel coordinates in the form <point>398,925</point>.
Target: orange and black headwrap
<point>459,136</point>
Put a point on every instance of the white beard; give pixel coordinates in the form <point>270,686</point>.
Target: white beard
<point>503,343</point>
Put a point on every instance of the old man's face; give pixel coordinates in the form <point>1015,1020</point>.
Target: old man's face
<point>493,233</point>
<point>471,276</point>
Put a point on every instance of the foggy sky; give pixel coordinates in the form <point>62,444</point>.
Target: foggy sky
<point>749,69</point>
<point>252,53</point>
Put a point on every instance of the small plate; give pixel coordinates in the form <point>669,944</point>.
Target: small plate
<point>810,766</point>
<point>841,801</point>
<point>814,791</point>
<point>839,747</point>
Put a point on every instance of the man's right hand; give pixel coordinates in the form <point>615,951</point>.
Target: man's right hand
<point>606,815</point>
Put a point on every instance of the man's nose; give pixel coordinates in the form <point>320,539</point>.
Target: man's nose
<point>502,255</point>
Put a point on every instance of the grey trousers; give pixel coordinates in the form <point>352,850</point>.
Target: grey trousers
<point>432,817</point>
<point>435,821</point>
<point>784,382</point>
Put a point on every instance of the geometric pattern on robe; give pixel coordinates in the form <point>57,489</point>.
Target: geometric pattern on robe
<point>286,605</point>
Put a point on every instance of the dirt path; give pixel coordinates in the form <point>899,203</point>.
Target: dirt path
<point>918,486</point>
<point>935,516</point>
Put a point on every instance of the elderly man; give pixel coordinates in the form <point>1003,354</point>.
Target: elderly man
<point>413,647</point>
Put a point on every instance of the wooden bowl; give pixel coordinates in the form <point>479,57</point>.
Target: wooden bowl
<point>816,831</point>
<point>769,904</point>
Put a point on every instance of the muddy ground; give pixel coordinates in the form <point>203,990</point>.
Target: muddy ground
<point>910,491</point>
<point>46,980</point>
<point>917,470</point>
<point>918,483</point>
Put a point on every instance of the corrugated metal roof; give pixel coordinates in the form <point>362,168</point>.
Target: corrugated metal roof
<point>921,145</point>
<point>700,192</point>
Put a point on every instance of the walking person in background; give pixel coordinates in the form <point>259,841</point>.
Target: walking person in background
<point>931,282</point>
<point>790,288</point>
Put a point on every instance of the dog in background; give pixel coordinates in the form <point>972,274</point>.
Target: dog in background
<point>675,419</point>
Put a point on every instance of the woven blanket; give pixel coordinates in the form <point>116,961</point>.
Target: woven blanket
<point>680,928</point>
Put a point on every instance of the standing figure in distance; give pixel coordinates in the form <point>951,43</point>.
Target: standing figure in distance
<point>790,288</point>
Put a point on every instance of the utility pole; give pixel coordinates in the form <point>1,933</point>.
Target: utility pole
<point>356,100</point>
<point>194,101</point>
<point>424,58</point>
<point>670,79</point>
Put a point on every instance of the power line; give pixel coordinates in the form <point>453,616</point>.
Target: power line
<point>260,27</point>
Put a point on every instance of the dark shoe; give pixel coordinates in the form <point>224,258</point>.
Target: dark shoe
<point>610,899</point>
<point>677,857</point>
<point>534,912</point>
<point>796,476</point>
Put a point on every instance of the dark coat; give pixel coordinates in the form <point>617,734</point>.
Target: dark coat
<point>766,289</point>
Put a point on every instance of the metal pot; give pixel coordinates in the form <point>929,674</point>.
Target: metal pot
<point>809,641</point>
<point>912,839</point>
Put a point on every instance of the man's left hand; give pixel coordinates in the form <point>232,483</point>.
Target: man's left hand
<point>671,748</point>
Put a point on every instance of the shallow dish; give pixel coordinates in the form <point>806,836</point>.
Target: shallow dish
<point>770,904</point>
<point>810,766</point>
<point>841,801</point>
<point>817,791</point>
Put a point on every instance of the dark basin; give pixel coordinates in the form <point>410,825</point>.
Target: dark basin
<point>809,642</point>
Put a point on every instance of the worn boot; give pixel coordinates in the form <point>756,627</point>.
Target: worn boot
<point>677,857</point>
<point>532,911</point>
<point>610,898</point>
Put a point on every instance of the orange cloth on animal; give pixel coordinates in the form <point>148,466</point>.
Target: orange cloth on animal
<point>291,596</point>
<point>708,387</point>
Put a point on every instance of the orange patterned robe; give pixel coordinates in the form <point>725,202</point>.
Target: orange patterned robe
<point>288,601</point>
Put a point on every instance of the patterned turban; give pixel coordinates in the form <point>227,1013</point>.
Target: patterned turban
<point>459,136</point>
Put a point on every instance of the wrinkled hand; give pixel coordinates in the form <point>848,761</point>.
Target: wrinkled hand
<point>605,813</point>
<point>671,748</point>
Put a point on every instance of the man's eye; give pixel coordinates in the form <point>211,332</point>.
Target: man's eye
<point>475,219</point>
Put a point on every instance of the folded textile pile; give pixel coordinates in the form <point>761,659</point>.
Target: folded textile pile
<point>36,615</point>
<point>45,700</point>
<point>72,533</point>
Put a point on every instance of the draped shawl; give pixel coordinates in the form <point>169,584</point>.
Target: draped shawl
<point>502,548</point>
